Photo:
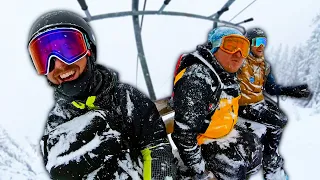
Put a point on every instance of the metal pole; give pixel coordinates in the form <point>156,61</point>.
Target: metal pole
<point>219,12</point>
<point>168,13</point>
<point>143,62</point>
<point>84,7</point>
<point>87,14</point>
<point>227,5</point>
<point>245,21</point>
<point>165,3</point>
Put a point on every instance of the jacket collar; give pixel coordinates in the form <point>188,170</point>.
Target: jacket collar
<point>208,56</point>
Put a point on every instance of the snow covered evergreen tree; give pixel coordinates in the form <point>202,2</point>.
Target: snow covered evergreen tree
<point>269,54</point>
<point>291,73</point>
<point>282,67</point>
<point>276,57</point>
<point>302,65</point>
<point>312,58</point>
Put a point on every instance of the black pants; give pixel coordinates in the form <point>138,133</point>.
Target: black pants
<point>268,113</point>
<point>233,157</point>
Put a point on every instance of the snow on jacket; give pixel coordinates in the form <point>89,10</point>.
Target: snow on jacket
<point>116,133</point>
<point>205,101</point>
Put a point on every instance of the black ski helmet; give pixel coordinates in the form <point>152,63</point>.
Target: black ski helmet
<point>63,18</point>
<point>255,32</point>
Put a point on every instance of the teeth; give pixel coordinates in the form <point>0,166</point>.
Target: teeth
<point>65,75</point>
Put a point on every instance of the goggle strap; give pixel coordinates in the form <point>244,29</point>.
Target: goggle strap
<point>86,40</point>
<point>253,42</point>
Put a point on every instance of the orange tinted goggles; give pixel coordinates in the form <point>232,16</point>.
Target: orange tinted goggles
<point>234,43</point>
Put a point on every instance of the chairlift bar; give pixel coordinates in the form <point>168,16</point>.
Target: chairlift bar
<point>137,29</point>
<point>141,55</point>
<point>87,14</point>
<point>165,3</point>
<point>84,7</point>
<point>168,13</point>
<point>245,21</point>
<point>227,5</point>
<point>218,13</point>
<point>83,4</point>
<point>162,8</point>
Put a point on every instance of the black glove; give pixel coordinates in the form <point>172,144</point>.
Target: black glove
<point>297,91</point>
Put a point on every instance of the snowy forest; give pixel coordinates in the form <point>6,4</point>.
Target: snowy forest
<point>299,64</point>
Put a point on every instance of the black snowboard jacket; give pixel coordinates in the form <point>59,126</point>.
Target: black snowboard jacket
<point>115,133</point>
<point>196,98</point>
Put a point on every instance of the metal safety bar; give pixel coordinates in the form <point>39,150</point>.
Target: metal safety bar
<point>135,13</point>
<point>168,13</point>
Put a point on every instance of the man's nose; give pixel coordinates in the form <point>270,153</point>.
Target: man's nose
<point>260,47</point>
<point>59,64</point>
<point>238,54</point>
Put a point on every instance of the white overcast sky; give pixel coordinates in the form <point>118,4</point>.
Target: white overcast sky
<point>26,98</point>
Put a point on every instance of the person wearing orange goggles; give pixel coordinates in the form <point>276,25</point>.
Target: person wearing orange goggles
<point>210,142</point>
<point>255,79</point>
<point>99,128</point>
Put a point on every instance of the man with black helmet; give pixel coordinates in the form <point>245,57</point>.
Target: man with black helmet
<point>98,128</point>
<point>255,76</point>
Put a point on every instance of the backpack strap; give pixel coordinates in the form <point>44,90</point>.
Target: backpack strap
<point>217,92</point>
<point>196,54</point>
<point>179,74</point>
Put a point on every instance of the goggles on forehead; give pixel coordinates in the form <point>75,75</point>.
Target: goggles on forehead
<point>234,43</point>
<point>258,41</point>
<point>67,44</point>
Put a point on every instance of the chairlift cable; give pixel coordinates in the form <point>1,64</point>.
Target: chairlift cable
<point>167,80</point>
<point>242,10</point>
